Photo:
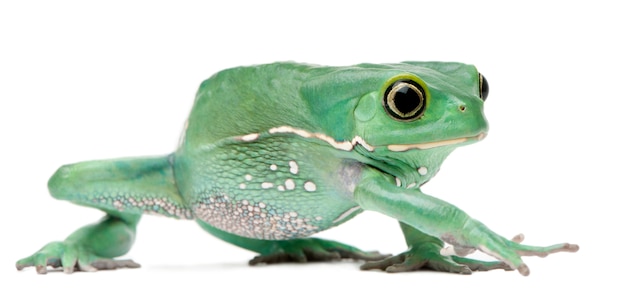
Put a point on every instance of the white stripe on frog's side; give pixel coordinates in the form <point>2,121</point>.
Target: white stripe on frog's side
<point>435,144</point>
<point>358,140</point>
<point>344,145</point>
<point>346,214</point>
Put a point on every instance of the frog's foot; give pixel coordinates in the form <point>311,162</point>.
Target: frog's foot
<point>71,258</point>
<point>428,256</point>
<point>312,250</point>
<point>507,251</point>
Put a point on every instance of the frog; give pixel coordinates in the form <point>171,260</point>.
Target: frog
<point>273,153</point>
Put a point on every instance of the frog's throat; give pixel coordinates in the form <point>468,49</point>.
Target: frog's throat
<point>358,140</point>
<point>435,144</point>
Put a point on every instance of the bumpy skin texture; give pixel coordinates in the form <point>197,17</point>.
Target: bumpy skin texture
<point>272,154</point>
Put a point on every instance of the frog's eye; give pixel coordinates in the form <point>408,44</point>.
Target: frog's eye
<point>405,100</point>
<point>484,87</point>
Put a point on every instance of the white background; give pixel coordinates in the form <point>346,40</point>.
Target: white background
<point>82,81</point>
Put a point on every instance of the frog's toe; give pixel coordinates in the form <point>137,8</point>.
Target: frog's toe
<point>109,264</point>
<point>313,250</point>
<point>362,255</point>
<point>321,255</point>
<point>410,261</point>
<point>392,262</point>
<point>477,265</point>
<point>278,257</point>
<point>298,256</point>
<point>100,264</point>
<point>524,250</point>
<point>23,263</point>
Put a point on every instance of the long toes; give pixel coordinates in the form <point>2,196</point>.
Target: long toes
<point>518,238</point>
<point>545,251</point>
<point>383,264</point>
<point>460,269</point>
<point>269,259</point>
<point>407,265</point>
<point>477,265</point>
<point>86,267</point>
<point>103,264</point>
<point>523,270</point>
<point>106,264</point>
<point>447,265</point>
<point>23,263</point>
<point>486,266</point>
<point>570,247</point>
<point>364,256</point>
<point>279,257</point>
<point>321,255</point>
<point>256,260</point>
<point>128,264</point>
<point>298,257</point>
<point>42,269</point>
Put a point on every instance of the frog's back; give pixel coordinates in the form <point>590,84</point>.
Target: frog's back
<point>246,100</point>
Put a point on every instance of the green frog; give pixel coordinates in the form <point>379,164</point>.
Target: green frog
<point>272,154</point>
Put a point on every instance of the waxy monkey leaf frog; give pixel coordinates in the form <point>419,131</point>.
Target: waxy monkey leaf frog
<point>272,154</point>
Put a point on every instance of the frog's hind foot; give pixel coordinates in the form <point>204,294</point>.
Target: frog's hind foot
<point>312,250</point>
<point>103,264</point>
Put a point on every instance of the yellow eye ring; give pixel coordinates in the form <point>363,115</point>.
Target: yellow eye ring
<point>405,100</point>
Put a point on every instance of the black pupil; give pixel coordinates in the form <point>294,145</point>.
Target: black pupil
<point>407,99</point>
<point>484,88</point>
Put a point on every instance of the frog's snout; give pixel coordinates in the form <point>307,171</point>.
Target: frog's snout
<point>57,184</point>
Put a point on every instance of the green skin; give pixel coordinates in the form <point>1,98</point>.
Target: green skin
<point>272,154</point>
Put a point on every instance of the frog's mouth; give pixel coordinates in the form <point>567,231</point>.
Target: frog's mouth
<point>435,144</point>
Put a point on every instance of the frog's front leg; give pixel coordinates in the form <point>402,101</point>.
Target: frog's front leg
<point>123,189</point>
<point>434,217</point>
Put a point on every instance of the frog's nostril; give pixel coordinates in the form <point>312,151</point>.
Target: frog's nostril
<point>462,108</point>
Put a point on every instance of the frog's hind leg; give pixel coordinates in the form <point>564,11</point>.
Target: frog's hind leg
<point>294,250</point>
<point>122,186</point>
<point>123,189</point>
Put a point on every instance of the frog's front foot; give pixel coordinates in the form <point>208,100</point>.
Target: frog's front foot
<point>428,256</point>
<point>312,250</point>
<point>72,258</point>
<point>508,251</point>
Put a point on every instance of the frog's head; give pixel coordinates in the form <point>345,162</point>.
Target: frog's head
<point>423,105</point>
<point>407,112</point>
